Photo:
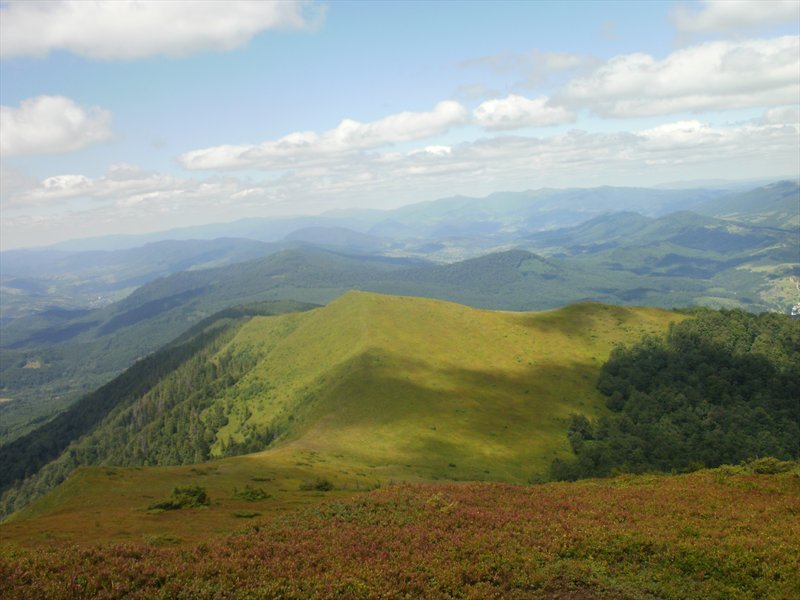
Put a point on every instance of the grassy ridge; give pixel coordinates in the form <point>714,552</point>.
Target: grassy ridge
<point>439,390</point>
<point>726,533</point>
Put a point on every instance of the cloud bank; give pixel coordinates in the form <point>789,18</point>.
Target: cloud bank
<point>308,147</point>
<point>129,29</point>
<point>710,76</point>
<point>71,205</point>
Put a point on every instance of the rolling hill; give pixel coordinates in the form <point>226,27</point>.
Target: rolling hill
<point>369,387</point>
<point>775,205</point>
<point>33,281</point>
<point>676,260</point>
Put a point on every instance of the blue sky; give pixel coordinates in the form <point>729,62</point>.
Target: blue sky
<point>138,116</point>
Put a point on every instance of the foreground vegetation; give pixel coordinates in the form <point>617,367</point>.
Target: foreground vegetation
<point>726,533</point>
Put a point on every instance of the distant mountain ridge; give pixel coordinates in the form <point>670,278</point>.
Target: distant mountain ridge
<point>775,205</point>
<point>532,209</point>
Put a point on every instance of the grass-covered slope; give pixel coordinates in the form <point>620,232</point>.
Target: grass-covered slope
<point>730,533</point>
<point>370,388</point>
<point>439,389</point>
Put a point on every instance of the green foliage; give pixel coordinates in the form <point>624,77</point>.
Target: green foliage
<point>317,485</point>
<point>183,497</point>
<point>246,514</point>
<point>110,340</point>
<point>770,466</point>
<point>250,494</point>
<point>722,387</point>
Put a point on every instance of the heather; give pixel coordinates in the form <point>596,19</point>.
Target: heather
<point>727,533</point>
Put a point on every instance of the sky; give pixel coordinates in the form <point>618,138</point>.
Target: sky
<point>139,116</point>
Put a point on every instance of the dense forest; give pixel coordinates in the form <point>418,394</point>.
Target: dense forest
<point>721,387</point>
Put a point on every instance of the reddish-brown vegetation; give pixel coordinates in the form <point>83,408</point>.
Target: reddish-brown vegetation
<point>712,534</point>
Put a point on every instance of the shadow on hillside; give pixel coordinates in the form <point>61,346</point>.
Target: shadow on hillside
<point>424,414</point>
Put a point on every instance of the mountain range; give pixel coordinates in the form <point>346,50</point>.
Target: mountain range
<point>56,344</point>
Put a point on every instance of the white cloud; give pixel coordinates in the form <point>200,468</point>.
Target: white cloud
<point>51,124</point>
<point>710,76</point>
<point>515,111</point>
<point>128,29</point>
<point>727,15</point>
<point>350,136</point>
<point>781,115</point>
<point>435,150</point>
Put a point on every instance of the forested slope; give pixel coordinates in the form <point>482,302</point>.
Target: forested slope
<point>721,387</point>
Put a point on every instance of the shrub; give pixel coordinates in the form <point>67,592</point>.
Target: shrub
<point>250,494</point>
<point>769,466</point>
<point>246,514</point>
<point>183,497</point>
<point>318,485</point>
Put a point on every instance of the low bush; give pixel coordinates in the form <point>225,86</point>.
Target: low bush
<point>318,485</point>
<point>250,494</point>
<point>183,497</point>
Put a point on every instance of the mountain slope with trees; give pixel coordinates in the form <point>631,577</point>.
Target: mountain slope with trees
<point>721,387</point>
<point>430,388</point>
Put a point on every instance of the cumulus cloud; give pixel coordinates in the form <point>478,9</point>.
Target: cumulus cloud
<point>515,111</point>
<point>130,29</point>
<point>712,16</point>
<point>51,124</point>
<point>309,147</point>
<point>710,76</point>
